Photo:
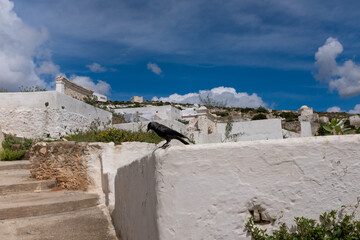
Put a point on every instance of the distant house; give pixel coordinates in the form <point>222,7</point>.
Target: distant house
<point>65,86</point>
<point>137,99</point>
<point>100,97</point>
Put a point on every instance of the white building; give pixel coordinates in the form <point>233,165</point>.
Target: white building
<point>100,97</point>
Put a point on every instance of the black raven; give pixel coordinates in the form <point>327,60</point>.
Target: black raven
<point>167,133</point>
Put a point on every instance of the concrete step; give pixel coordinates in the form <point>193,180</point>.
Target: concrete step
<point>18,180</point>
<point>85,224</point>
<point>30,204</point>
<point>9,165</point>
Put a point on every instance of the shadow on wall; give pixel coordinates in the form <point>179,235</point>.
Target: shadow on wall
<point>135,215</point>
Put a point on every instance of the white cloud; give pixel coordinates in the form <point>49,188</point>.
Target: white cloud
<point>356,109</point>
<point>154,68</point>
<point>334,109</point>
<point>19,45</point>
<point>220,94</point>
<point>95,67</point>
<point>48,67</point>
<point>99,87</point>
<point>346,78</point>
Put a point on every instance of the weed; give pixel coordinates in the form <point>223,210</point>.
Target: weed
<point>31,89</point>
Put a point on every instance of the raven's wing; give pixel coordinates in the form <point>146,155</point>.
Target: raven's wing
<point>169,131</point>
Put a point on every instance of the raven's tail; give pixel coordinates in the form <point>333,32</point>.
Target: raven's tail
<point>183,141</point>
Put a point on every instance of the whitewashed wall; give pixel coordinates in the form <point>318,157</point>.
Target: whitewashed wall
<point>43,114</point>
<point>1,139</point>
<point>207,191</point>
<point>135,126</point>
<point>254,130</point>
<point>153,112</point>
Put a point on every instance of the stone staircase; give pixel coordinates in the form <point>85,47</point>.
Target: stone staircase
<point>30,210</point>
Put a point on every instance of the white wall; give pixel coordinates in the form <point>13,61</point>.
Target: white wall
<point>305,129</point>
<point>135,126</point>
<point>162,112</point>
<point>37,114</point>
<point>206,191</point>
<point>254,130</point>
<point>1,139</point>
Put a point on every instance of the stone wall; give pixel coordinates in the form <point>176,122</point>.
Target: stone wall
<point>46,114</point>
<point>64,161</point>
<point>209,191</point>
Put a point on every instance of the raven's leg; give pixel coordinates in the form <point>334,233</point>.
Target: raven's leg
<point>165,144</point>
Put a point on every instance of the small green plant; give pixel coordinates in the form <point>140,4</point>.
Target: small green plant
<point>211,103</point>
<point>228,129</point>
<point>91,100</point>
<point>330,227</point>
<point>46,104</point>
<point>259,116</point>
<point>31,89</point>
<point>183,121</point>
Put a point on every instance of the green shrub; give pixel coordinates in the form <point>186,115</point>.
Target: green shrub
<point>10,155</point>
<point>261,109</point>
<point>259,116</point>
<point>246,110</point>
<point>289,116</point>
<point>116,136</point>
<point>9,140</point>
<point>330,227</point>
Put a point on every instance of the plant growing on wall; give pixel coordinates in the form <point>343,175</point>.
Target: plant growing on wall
<point>228,129</point>
<point>31,89</point>
<point>211,103</point>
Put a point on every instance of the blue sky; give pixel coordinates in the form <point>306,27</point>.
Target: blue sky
<point>262,52</point>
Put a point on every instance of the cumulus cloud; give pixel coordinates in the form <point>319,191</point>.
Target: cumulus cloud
<point>343,78</point>
<point>101,87</point>
<point>48,67</point>
<point>356,109</point>
<point>334,109</point>
<point>220,94</point>
<point>154,68</point>
<point>19,45</point>
<point>95,67</point>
